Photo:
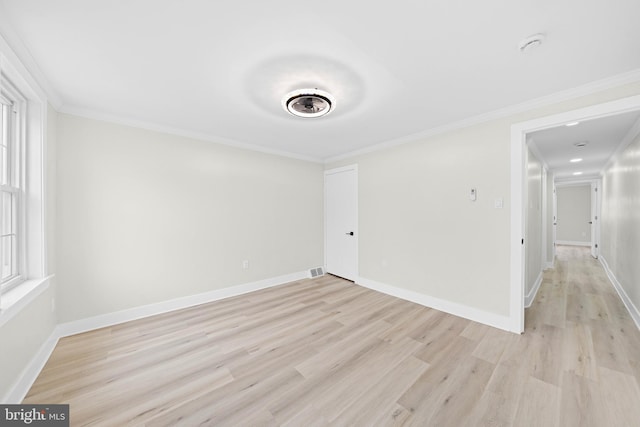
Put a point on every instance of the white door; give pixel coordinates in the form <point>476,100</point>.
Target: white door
<point>341,221</point>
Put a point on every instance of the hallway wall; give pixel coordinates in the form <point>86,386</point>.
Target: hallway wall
<point>533,237</point>
<point>620,237</point>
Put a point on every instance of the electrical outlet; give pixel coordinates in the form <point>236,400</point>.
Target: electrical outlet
<point>245,264</point>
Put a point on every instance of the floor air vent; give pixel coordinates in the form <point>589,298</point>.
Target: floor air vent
<point>315,272</point>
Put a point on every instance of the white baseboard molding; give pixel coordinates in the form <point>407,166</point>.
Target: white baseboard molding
<point>573,243</point>
<point>480,316</point>
<point>110,319</point>
<point>27,378</point>
<point>528,299</point>
<point>31,372</point>
<point>631,308</point>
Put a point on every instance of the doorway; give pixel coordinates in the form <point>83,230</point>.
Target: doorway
<point>519,148</point>
<point>341,221</point>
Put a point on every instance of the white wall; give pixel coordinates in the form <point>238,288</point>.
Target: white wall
<point>24,334</point>
<point>533,237</point>
<point>418,230</point>
<point>145,217</point>
<point>620,234</point>
<point>574,214</point>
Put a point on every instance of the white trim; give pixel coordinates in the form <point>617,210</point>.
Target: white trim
<point>518,211</point>
<point>19,390</point>
<point>19,297</point>
<point>518,190</point>
<point>565,95</point>
<point>573,243</point>
<point>481,316</point>
<point>201,136</point>
<point>30,373</point>
<point>11,45</point>
<point>631,308</point>
<point>528,299</point>
<point>110,319</point>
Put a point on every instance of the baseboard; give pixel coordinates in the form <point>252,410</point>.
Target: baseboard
<point>480,316</point>
<point>528,299</point>
<point>573,243</point>
<point>631,308</point>
<point>110,319</point>
<point>31,372</point>
<point>21,387</point>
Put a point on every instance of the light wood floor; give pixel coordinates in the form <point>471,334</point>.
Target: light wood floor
<point>327,352</point>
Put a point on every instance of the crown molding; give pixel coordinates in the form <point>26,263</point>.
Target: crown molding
<point>201,136</point>
<point>631,135</point>
<point>19,55</point>
<point>565,95</point>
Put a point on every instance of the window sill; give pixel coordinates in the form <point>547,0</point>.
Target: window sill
<point>17,298</point>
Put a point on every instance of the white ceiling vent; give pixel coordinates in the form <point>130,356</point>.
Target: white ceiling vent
<point>308,103</point>
<point>531,42</point>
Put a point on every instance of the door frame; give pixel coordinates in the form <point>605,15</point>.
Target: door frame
<point>519,190</point>
<point>596,214</point>
<point>353,167</point>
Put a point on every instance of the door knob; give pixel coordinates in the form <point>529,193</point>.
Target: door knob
<point>350,233</point>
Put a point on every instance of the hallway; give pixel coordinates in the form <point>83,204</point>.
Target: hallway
<point>591,344</point>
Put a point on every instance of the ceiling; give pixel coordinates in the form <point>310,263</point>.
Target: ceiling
<point>603,136</point>
<point>218,69</point>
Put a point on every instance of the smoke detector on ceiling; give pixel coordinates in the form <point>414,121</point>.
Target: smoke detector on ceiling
<point>308,103</point>
<point>531,42</point>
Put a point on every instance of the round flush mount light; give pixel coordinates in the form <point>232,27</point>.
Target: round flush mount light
<point>531,42</point>
<point>308,103</point>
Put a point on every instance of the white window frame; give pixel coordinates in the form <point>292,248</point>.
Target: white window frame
<point>10,96</point>
<point>19,84</point>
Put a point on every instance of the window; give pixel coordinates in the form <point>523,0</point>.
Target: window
<point>23,123</point>
<point>11,186</point>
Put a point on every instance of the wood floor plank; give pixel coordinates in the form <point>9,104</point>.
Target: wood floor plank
<point>328,352</point>
<point>538,404</point>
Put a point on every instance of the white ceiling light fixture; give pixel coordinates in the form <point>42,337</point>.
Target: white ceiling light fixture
<point>308,103</point>
<point>531,42</point>
<point>575,160</point>
<point>577,173</point>
<point>572,124</point>
<point>581,143</point>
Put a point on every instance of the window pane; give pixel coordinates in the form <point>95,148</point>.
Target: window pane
<point>8,214</point>
<point>4,164</point>
<point>4,151</point>
<point>8,247</point>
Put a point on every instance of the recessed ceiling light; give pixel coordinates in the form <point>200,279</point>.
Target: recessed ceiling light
<point>531,43</point>
<point>572,124</point>
<point>577,173</point>
<point>575,160</point>
<point>581,143</point>
<point>308,103</point>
